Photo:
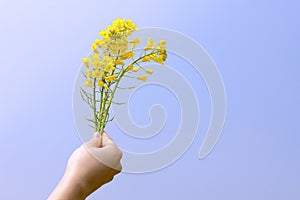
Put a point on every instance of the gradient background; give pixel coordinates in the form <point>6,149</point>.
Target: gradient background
<point>255,46</point>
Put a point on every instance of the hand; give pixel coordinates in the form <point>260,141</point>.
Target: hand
<point>90,166</point>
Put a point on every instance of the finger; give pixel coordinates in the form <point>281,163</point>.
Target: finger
<point>110,156</point>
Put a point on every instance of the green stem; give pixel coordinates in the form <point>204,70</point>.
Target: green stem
<point>104,109</point>
<point>94,105</point>
<point>101,106</point>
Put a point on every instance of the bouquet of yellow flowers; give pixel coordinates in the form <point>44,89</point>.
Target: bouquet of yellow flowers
<point>114,57</point>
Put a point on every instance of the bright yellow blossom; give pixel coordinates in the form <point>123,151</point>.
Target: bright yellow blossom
<point>112,29</point>
<point>105,34</point>
<point>142,78</point>
<point>162,58</point>
<point>149,71</point>
<point>95,60</point>
<point>151,44</point>
<point>109,67</point>
<point>153,57</point>
<point>110,78</point>
<point>98,42</point>
<point>88,83</point>
<point>94,48</point>
<point>117,26</point>
<point>136,69</point>
<point>116,46</point>
<point>89,73</point>
<point>134,42</point>
<point>107,60</point>
<point>127,55</point>
<point>161,46</point>
<point>86,61</point>
<point>97,74</point>
<point>100,83</point>
<point>130,25</point>
<point>119,62</point>
<point>146,59</point>
<point>162,42</point>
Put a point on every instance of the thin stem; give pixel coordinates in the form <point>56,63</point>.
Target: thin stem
<point>94,105</point>
<point>101,107</point>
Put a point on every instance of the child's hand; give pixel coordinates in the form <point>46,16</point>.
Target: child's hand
<point>90,166</point>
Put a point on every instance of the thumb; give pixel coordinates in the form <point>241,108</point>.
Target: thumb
<point>96,140</point>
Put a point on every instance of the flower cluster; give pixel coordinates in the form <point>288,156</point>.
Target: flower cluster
<point>113,56</point>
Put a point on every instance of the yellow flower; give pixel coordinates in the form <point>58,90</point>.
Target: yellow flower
<point>130,25</point>
<point>107,60</point>
<point>106,64</point>
<point>119,62</point>
<point>153,57</point>
<point>95,56</point>
<point>96,60</point>
<point>122,26</point>
<point>127,55</point>
<point>146,59</point>
<point>110,78</point>
<point>116,46</point>
<point>109,67</point>
<point>98,42</point>
<point>149,71</point>
<point>162,58</point>
<point>130,67</point>
<point>94,48</point>
<point>97,74</point>
<point>89,73</point>
<point>105,34</point>
<point>117,22</point>
<point>136,69</point>
<point>150,45</point>
<point>161,46</point>
<point>88,83</point>
<point>142,78</point>
<point>86,61</point>
<point>112,29</point>
<point>135,42</point>
<point>117,26</point>
<point>162,42</point>
<point>101,83</point>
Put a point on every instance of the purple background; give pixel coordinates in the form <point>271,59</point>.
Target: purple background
<point>255,45</point>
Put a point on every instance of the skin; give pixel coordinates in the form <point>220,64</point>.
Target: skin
<point>92,165</point>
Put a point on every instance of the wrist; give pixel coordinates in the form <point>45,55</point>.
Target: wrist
<point>74,185</point>
<point>69,187</point>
